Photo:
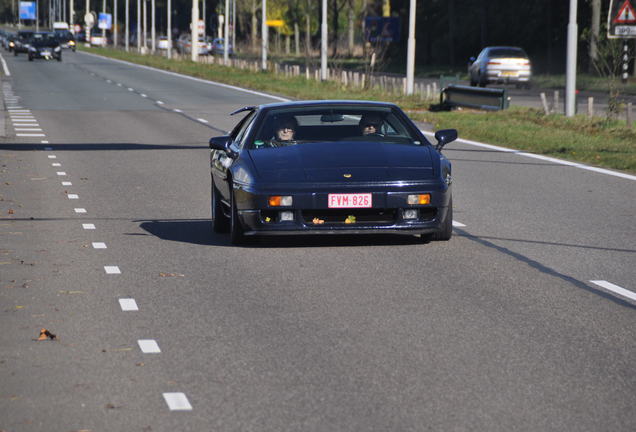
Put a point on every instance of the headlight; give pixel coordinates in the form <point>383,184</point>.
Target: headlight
<point>32,49</point>
<point>11,44</point>
<point>57,49</point>
<point>71,42</point>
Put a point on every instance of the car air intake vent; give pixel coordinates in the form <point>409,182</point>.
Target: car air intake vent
<point>340,216</point>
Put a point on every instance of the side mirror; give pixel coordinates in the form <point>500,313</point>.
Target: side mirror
<point>444,137</point>
<point>220,143</point>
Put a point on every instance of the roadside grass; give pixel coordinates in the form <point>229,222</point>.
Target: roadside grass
<point>597,141</point>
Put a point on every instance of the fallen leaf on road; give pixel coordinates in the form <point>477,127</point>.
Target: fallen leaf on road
<point>45,334</point>
<point>171,274</point>
<point>11,211</point>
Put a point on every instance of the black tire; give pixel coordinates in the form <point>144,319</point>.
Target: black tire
<point>30,58</point>
<point>220,222</point>
<point>15,53</point>
<point>446,231</point>
<point>237,236</point>
<point>59,58</point>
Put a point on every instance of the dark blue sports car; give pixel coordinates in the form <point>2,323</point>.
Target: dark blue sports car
<point>330,167</point>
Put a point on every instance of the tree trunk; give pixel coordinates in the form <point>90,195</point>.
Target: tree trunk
<point>351,34</point>
<point>297,38</point>
<point>254,25</point>
<point>334,30</point>
<point>594,34</point>
<point>451,31</point>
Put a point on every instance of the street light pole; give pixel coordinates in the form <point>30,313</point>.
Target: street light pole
<point>169,29</point>
<point>127,42</point>
<point>323,42</point>
<point>410,58</point>
<point>264,35</point>
<point>194,33</point>
<point>138,25</point>
<point>153,33</point>
<point>570,83</point>
<point>115,24</point>
<point>226,40</point>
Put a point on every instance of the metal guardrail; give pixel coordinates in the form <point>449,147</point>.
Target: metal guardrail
<point>492,99</point>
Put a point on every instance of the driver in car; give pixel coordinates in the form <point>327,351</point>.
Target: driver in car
<point>285,131</point>
<point>371,124</point>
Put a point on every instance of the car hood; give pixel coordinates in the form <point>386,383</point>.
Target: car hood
<point>329,162</point>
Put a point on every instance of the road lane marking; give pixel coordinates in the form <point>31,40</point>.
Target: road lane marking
<point>160,102</point>
<point>72,196</point>
<point>615,288</point>
<point>52,157</point>
<point>57,164</point>
<point>143,95</point>
<point>177,110</point>
<point>4,66</point>
<point>148,346</point>
<point>29,135</point>
<point>544,158</point>
<point>112,270</point>
<point>128,304</point>
<point>67,184</point>
<point>99,245</point>
<point>80,210</point>
<point>131,89</point>
<point>203,120</point>
<point>29,129</point>
<point>61,173</point>
<point>88,226</point>
<point>177,402</point>
<point>458,224</point>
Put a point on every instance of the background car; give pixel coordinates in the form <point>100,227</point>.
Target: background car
<point>66,39</point>
<point>45,46</point>
<point>163,43</point>
<point>500,64</point>
<point>218,47</point>
<point>184,45</point>
<point>21,42</point>
<point>330,178</point>
<point>97,39</point>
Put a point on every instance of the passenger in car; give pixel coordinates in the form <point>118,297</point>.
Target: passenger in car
<point>371,124</point>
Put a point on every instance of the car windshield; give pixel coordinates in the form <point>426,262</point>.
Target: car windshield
<point>291,126</point>
<point>508,52</point>
<point>43,41</point>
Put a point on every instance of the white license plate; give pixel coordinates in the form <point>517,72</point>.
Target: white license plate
<point>359,200</point>
<point>46,53</point>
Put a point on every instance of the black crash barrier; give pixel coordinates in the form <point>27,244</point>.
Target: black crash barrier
<point>473,97</point>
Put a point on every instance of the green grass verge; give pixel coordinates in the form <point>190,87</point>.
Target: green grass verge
<point>599,142</point>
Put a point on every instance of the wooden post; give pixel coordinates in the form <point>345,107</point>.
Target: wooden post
<point>590,107</point>
<point>544,101</point>
<point>556,101</point>
<point>628,115</point>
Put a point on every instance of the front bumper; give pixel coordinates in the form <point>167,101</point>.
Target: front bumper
<point>311,214</point>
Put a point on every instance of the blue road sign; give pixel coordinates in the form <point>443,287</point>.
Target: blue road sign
<point>27,10</point>
<point>105,21</point>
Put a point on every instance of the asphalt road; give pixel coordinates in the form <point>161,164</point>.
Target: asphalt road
<point>499,329</point>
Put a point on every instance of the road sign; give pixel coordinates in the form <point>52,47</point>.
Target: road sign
<point>275,23</point>
<point>105,21</point>
<point>89,19</point>
<point>27,10</point>
<point>621,19</point>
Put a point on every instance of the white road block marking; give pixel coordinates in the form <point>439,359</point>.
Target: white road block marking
<point>61,173</point>
<point>128,304</point>
<point>29,135</point>
<point>80,210</point>
<point>615,289</point>
<point>52,157</point>
<point>177,402</point>
<point>148,346</point>
<point>67,184</point>
<point>458,224</point>
<point>88,226</point>
<point>72,196</point>
<point>56,164</point>
<point>112,270</point>
<point>99,245</point>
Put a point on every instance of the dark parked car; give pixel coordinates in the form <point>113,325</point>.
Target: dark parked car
<point>500,64</point>
<point>45,46</point>
<point>66,39</point>
<point>330,167</point>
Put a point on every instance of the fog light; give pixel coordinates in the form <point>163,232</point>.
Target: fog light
<point>277,201</point>
<point>286,216</point>
<point>411,213</point>
<point>419,199</point>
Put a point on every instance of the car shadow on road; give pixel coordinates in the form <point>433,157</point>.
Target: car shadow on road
<point>199,231</point>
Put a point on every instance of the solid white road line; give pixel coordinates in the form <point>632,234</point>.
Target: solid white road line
<point>177,110</point>
<point>4,66</point>
<point>99,245</point>
<point>143,95</point>
<point>80,210</point>
<point>615,288</point>
<point>29,135</point>
<point>128,304</point>
<point>88,226</point>
<point>177,402</point>
<point>160,102</point>
<point>112,270</point>
<point>458,224</point>
<point>202,120</point>
<point>148,346</point>
<point>28,129</point>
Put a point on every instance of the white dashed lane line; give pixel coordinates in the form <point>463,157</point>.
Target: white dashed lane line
<point>80,210</point>
<point>128,304</point>
<point>615,289</point>
<point>67,184</point>
<point>29,135</point>
<point>61,173</point>
<point>177,402</point>
<point>99,245</point>
<point>112,270</point>
<point>56,164</point>
<point>88,226</point>
<point>148,346</point>
<point>72,196</point>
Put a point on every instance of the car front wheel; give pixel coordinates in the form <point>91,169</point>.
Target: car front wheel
<point>446,231</point>
<point>220,222</point>
<point>236,230</point>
